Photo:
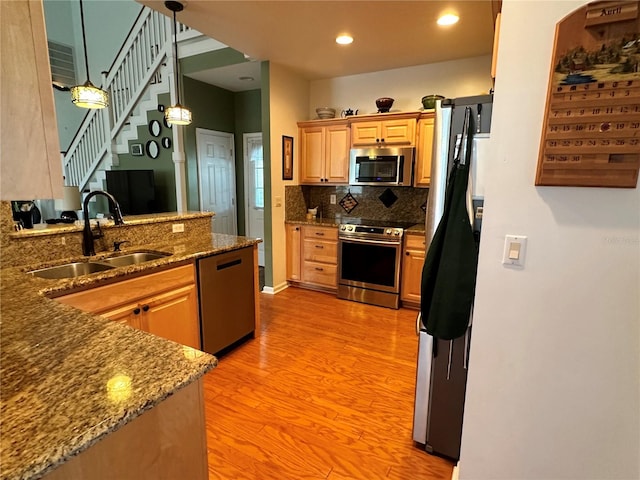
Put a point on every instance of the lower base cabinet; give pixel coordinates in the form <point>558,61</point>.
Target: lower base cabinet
<point>169,441</point>
<point>412,263</point>
<point>164,304</point>
<point>312,256</point>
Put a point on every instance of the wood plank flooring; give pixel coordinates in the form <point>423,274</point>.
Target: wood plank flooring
<point>325,393</point>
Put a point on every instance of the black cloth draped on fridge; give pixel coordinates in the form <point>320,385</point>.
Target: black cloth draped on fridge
<point>449,272</point>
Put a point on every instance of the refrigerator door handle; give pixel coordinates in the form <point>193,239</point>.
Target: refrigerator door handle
<point>418,324</point>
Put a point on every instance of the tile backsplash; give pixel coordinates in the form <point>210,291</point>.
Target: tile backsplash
<point>405,203</point>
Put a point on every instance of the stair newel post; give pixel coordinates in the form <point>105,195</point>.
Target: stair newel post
<point>108,122</point>
<point>178,155</point>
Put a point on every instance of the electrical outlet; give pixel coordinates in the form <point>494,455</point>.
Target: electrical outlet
<point>63,241</point>
<point>332,199</point>
<point>177,228</point>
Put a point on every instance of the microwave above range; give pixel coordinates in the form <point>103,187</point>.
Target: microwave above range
<point>381,166</point>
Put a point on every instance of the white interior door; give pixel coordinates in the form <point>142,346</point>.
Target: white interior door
<point>254,189</point>
<point>217,178</point>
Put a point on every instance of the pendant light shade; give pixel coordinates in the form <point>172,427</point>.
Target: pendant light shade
<point>177,114</point>
<point>88,95</point>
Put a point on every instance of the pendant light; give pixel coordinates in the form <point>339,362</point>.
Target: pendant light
<point>88,95</point>
<point>177,114</point>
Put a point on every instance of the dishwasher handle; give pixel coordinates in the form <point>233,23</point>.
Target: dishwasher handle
<point>230,264</point>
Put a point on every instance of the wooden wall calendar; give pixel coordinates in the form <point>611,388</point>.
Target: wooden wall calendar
<point>591,132</point>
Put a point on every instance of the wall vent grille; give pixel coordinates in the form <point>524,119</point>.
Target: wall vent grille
<point>63,69</point>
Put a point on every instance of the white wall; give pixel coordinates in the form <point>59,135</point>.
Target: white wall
<point>289,95</point>
<point>553,389</point>
<point>407,86</point>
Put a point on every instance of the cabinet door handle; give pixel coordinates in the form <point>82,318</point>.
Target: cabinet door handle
<point>377,140</point>
<point>320,269</point>
<point>320,233</point>
<point>297,229</point>
<point>145,308</point>
<point>136,311</point>
<point>319,246</point>
<point>407,254</point>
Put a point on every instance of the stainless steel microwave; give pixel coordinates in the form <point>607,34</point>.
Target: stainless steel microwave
<point>381,166</point>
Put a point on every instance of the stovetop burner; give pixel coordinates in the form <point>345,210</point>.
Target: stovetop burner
<point>376,223</point>
<point>384,230</point>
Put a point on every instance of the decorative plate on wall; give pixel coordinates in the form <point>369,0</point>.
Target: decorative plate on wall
<point>166,142</point>
<point>166,124</point>
<point>155,128</point>
<point>160,108</point>
<point>153,150</point>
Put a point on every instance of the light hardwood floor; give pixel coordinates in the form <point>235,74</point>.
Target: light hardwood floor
<point>325,393</point>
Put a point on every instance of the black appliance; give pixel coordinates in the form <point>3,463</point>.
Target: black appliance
<point>135,190</point>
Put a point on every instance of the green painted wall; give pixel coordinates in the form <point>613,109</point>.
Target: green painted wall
<point>247,120</point>
<point>213,59</point>
<point>164,171</point>
<point>218,109</point>
<point>266,152</point>
<point>212,109</point>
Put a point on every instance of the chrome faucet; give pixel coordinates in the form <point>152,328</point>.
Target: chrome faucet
<point>87,234</point>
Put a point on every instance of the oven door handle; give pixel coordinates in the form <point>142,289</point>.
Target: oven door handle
<point>364,240</point>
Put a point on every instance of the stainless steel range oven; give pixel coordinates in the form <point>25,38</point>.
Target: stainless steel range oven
<point>369,259</point>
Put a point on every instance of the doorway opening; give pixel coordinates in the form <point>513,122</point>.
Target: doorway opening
<point>254,189</point>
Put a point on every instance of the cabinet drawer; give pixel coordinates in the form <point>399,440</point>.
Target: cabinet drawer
<point>319,273</point>
<point>320,233</point>
<point>109,297</point>
<point>319,251</point>
<point>414,242</point>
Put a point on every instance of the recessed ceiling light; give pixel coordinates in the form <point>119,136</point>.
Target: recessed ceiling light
<point>246,79</point>
<point>344,39</point>
<point>448,19</point>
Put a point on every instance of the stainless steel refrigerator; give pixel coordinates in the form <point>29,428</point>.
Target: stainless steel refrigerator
<point>442,364</point>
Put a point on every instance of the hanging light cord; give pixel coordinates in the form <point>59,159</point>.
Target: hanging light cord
<point>84,41</point>
<point>175,45</point>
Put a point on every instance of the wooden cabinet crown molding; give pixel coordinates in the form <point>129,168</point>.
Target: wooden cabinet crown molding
<point>323,123</point>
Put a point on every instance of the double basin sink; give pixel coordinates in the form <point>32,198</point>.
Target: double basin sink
<point>77,269</point>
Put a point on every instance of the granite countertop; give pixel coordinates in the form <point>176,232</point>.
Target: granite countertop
<point>417,229</point>
<point>69,378</point>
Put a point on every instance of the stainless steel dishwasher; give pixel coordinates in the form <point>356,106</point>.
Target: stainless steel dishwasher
<point>227,301</point>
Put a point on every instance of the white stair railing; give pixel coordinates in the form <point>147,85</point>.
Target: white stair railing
<point>138,61</point>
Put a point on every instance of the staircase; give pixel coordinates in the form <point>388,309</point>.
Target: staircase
<point>134,81</point>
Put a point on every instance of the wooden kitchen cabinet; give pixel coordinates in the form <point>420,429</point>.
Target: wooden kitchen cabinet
<point>29,138</point>
<point>312,256</point>
<point>294,246</point>
<point>163,303</point>
<point>324,152</point>
<point>400,130</point>
<point>424,151</point>
<point>320,256</point>
<point>412,263</point>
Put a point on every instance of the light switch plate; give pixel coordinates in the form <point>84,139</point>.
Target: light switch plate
<point>332,199</point>
<point>515,247</point>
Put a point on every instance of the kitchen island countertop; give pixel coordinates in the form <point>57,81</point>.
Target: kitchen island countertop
<point>70,378</point>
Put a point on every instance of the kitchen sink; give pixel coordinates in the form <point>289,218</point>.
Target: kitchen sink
<point>77,269</point>
<point>133,258</point>
<point>71,270</point>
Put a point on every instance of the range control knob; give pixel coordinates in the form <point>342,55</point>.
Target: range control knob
<point>396,233</point>
<point>388,231</point>
<point>343,227</point>
<point>350,228</point>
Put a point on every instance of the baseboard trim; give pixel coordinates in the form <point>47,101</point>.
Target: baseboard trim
<point>274,290</point>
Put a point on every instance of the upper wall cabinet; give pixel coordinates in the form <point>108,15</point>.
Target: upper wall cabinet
<point>386,129</point>
<point>424,150</point>
<point>31,166</point>
<point>324,152</point>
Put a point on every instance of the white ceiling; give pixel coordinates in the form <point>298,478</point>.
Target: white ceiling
<point>301,34</point>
